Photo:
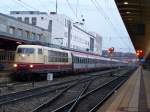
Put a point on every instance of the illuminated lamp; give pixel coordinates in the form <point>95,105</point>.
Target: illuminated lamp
<point>128,12</point>
<point>111,50</point>
<point>126,3</point>
<point>15,65</point>
<point>31,66</point>
<point>138,54</point>
<point>141,51</point>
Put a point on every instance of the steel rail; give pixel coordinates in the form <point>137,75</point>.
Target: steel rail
<point>13,97</point>
<point>67,107</point>
<point>46,104</point>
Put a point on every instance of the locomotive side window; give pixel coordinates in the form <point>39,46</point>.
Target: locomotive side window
<point>26,50</point>
<point>40,51</point>
<point>56,56</point>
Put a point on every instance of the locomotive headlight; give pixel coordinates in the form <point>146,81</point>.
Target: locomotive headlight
<point>23,55</point>
<point>15,65</point>
<point>31,66</point>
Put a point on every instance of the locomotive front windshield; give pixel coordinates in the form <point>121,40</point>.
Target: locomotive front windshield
<point>26,50</point>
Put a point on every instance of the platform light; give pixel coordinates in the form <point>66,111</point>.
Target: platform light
<point>128,12</point>
<point>126,3</point>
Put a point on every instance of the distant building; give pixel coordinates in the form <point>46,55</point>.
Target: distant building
<point>98,42</point>
<point>63,30</point>
<point>20,30</point>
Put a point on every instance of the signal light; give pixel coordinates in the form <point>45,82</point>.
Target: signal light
<point>139,53</point>
<point>111,50</point>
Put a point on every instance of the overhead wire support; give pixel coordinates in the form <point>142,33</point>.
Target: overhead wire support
<point>56,6</point>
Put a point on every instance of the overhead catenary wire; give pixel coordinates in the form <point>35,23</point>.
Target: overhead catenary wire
<point>41,3</point>
<point>71,8</point>
<point>106,17</point>
<point>130,43</point>
<point>27,5</point>
<point>20,4</point>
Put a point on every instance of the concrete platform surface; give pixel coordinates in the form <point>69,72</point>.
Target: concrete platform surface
<point>133,96</point>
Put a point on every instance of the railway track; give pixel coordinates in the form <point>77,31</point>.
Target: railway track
<point>8,98</point>
<point>77,87</point>
<point>88,100</point>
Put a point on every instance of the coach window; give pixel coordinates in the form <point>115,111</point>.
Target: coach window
<point>26,20</point>
<point>66,57</point>
<point>40,51</point>
<point>19,18</point>
<point>34,21</point>
<point>59,55</point>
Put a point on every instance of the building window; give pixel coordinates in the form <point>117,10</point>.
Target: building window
<point>38,37</point>
<point>34,20</point>
<point>27,35</point>
<point>3,27</point>
<point>31,12</point>
<point>19,18</point>
<point>50,26</point>
<point>65,23</point>
<point>33,36</point>
<point>65,34</point>
<point>12,30</point>
<point>26,20</point>
<point>19,32</point>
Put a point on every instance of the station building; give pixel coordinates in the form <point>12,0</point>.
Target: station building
<point>63,30</point>
<point>11,28</point>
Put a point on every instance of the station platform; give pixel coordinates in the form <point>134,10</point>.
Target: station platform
<point>132,96</point>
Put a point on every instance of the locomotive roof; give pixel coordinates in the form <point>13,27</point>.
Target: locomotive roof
<point>39,46</point>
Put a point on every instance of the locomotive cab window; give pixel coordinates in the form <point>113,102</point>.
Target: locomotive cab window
<point>26,50</point>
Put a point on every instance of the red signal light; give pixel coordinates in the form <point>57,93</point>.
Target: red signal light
<point>140,53</point>
<point>111,50</point>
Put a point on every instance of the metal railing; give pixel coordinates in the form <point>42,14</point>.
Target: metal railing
<point>6,59</point>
